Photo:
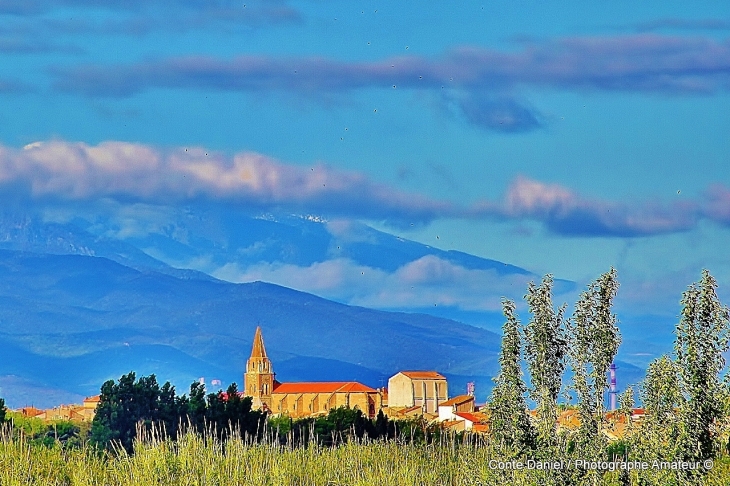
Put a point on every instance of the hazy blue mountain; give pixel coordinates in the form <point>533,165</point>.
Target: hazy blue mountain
<point>69,322</point>
<point>78,306</point>
<point>30,234</point>
<point>222,236</point>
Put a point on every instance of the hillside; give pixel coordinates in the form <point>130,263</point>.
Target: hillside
<point>69,322</point>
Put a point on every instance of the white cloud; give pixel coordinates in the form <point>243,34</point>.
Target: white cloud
<point>138,173</point>
<point>422,283</point>
<point>127,171</point>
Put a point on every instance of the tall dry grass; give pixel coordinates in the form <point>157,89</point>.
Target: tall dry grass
<point>197,459</point>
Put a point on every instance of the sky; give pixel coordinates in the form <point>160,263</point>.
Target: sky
<point>562,139</point>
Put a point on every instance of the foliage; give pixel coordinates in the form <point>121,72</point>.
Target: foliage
<point>546,348</point>
<point>507,406</point>
<point>63,433</point>
<point>196,460</point>
<point>701,339</point>
<point>127,404</point>
<point>595,341</point>
<point>3,410</point>
<point>344,424</point>
<point>218,439</point>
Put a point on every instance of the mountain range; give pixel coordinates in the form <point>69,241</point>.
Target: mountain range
<point>78,308</point>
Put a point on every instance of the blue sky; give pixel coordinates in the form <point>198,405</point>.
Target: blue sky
<point>562,139</point>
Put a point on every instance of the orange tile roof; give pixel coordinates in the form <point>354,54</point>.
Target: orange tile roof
<point>410,410</point>
<point>324,387</point>
<point>471,417</point>
<point>480,428</point>
<point>458,400</point>
<point>30,411</point>
<point>95,398</point>
<point>569,418</point>
<point>423,375</point>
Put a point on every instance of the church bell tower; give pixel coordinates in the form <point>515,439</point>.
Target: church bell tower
<point>259,377</point>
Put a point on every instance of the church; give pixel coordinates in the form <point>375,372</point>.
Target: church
<point>302,399</point>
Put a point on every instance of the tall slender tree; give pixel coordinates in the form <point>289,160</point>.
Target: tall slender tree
<point>701,339</point>
<point>196,406</point>
<point>595,341</point>
<point>507,407</point>
<point>660,395</point>
<point>546,348</point>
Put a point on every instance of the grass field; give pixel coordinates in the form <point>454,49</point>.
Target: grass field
<point>196,460</point>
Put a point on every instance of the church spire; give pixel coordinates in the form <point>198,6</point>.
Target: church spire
<point>258,350</point>
<point>258,380</point>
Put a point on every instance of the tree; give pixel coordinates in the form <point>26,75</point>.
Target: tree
<point>196,406</point>
<point>593,347</point>
<point>660,395</point>
<point>170,409</point>
<point>546,347</point>
<point>507,407</point>
<point>381,425</point>
<point>215,412</point>
<point>3,410</point>
<point>701,338</point>
<point>121,406</point>
<point>239,413</point>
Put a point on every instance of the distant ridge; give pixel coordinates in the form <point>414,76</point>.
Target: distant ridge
<point>28,234</point>
<point>69,322</point>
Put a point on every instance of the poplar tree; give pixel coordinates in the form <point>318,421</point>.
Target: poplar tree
<point>701,338</point>
<point>510,424</point>
<point>595,341</point>
<point>660,395</point>
<point>546,348</point>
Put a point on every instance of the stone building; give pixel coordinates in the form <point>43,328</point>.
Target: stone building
<point>317,398</point>
<point>425,389</point>
<point>301,399</point>
<point>74,412</point>
<point>258,380</point>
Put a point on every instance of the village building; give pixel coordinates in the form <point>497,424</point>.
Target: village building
<point>461,403</point>
<point>424,389</point>
<point>317,398</point>
<point>62,412</point>
<point>73,413</point>
<point>30,412</point>
<point>302,399</point>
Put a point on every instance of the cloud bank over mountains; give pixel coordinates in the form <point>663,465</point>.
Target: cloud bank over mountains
<point>424,283</point>
<point>132,172</point>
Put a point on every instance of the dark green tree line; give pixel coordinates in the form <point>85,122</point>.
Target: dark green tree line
<point>127,404</point>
